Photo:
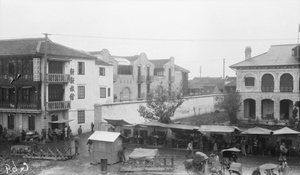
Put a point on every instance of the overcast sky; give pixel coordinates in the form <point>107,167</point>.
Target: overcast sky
<point>196,33</point>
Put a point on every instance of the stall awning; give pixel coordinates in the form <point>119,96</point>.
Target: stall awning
<point>257,131</point>
<point>218,128</point>
<point>143,153</point>
<point>183,127</point>
<point>104,136</point>
<point>117,122</point>
<point>285,131</point>
<point>61,121</point>
<point>154,123</point>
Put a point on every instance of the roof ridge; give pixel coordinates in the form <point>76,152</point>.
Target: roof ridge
<point>248,59</point>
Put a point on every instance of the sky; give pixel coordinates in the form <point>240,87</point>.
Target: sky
<point>202,33</point>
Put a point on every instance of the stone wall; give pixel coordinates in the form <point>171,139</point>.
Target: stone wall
<point>127,111</point>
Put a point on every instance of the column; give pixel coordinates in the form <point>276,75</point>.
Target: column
<point>277,109</point>
<point>20,121</point>
<point>296,84</point>
<point>258,108</point>
<point>276,84</point>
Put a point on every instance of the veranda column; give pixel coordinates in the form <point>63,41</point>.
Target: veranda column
<point>258,108</point>
<point>296,84</point>
<point>277,109</point>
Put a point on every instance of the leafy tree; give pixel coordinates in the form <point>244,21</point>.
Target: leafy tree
<point>161,104</point>
<point>231,103</point>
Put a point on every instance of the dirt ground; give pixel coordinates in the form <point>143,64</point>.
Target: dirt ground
<point>81,164</point>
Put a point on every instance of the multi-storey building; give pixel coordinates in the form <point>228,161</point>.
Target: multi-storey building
<point>47,85</point>
<point>134,76</point>
<point>269,84</point>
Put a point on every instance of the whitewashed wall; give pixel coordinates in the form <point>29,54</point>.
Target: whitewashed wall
<point>128,110</point>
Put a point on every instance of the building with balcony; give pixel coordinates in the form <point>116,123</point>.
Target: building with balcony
<point>269,84</point>
<point>47,85</point>
<point>135,76</point>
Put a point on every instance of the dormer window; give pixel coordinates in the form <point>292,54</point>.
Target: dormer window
<point>249,81</point>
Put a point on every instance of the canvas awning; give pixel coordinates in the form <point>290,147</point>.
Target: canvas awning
<point>218,128</point>
<point>117,122</point>
<point>142,153</point>
<point>104,136</point>
<point>154,123</point>
<point>257,131</point>
<point>61,121</point>
<point>181,127</point>
<point>285,131</point>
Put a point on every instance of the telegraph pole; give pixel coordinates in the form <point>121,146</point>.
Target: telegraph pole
<point>224,68</point>
<point>45,81</point>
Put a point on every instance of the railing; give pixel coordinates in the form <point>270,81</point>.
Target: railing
<point>58,78</point>
<point>171,79</point>
<point>58,105</point>
<point>286,89</point>
<point>149,79</point>
<point>141,78</point>
<point>23,78</point>
<point>21,105</point>
<point>267,88</point>
<point>158,163</point>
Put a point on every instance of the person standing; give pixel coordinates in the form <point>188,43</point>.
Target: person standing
<point>121,154</point>
<point>79,130</point>
<point>283,152</point>
<point>68,132</point>
<point>190,150</point>
<point>250,146</point>
<point>89,143</point>
<point>92,126</point>
<point>243,146</point>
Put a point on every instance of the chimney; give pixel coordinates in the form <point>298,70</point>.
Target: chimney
<point>248,52</point>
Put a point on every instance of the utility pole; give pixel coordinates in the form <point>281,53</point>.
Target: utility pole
<point>45,81</point>
<point>200,70</point>
<point>224,68</point>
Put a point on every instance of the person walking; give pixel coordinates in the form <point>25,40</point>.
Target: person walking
<point>190,149</point>
<point>92,126</point>
<point>79,130</point>
<point>76,146</point>
<point>89,143</point>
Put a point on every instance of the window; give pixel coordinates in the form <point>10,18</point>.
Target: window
<point>81,117</point>
<point>101,71</point>
<point>55,92</point>
<point>81,92</point>
<point>102,92</point>
<point>80,68</point>
<point>31,122</point>
<point>124,70</point>
<point>10,121</point>
<point>249,81</point>
<point>11,68</point>
<point>108,92</point>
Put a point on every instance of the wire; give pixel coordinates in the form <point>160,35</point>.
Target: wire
<point>175,39</point>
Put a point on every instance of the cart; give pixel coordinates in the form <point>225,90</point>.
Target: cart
<point>229,161</point>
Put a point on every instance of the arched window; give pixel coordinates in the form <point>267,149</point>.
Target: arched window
<point>267,83</point>
<point>286,83</point>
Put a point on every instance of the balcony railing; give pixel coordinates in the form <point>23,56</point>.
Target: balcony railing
<point>58,78</point>
<point>58,105</point>
<point>286,89</point>
<point>171,79</point>
<point>22,78</point>
<point>149,79</point>
<point>141,78</point>
<point>267,88</point>
<point>21,105</point>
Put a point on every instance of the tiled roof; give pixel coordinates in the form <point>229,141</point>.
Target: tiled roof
<point>277,55</point>
<point>129,58</point>
<point>159,63</point>
<point>199,82</point>
<point>178,68</point>
<point>36,46</point>
<point>101,62</point>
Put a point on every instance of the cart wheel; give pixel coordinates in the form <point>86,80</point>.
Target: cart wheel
<point>234,172</point>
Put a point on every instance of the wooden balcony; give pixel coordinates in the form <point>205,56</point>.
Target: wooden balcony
<point>58,78</point>
<point>22,78</point>
<point>58,105</point>
<point>141,78</point>
<point>171,79</point>
<point>149,79</point>
<point>21,105</point>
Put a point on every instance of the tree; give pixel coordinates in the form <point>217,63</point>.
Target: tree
<point>161,104</point>
<point>230,103</point>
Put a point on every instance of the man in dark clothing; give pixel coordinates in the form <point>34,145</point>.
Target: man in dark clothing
<point>121,154</point>
<point>89,143</point>
<point>92,126</point>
